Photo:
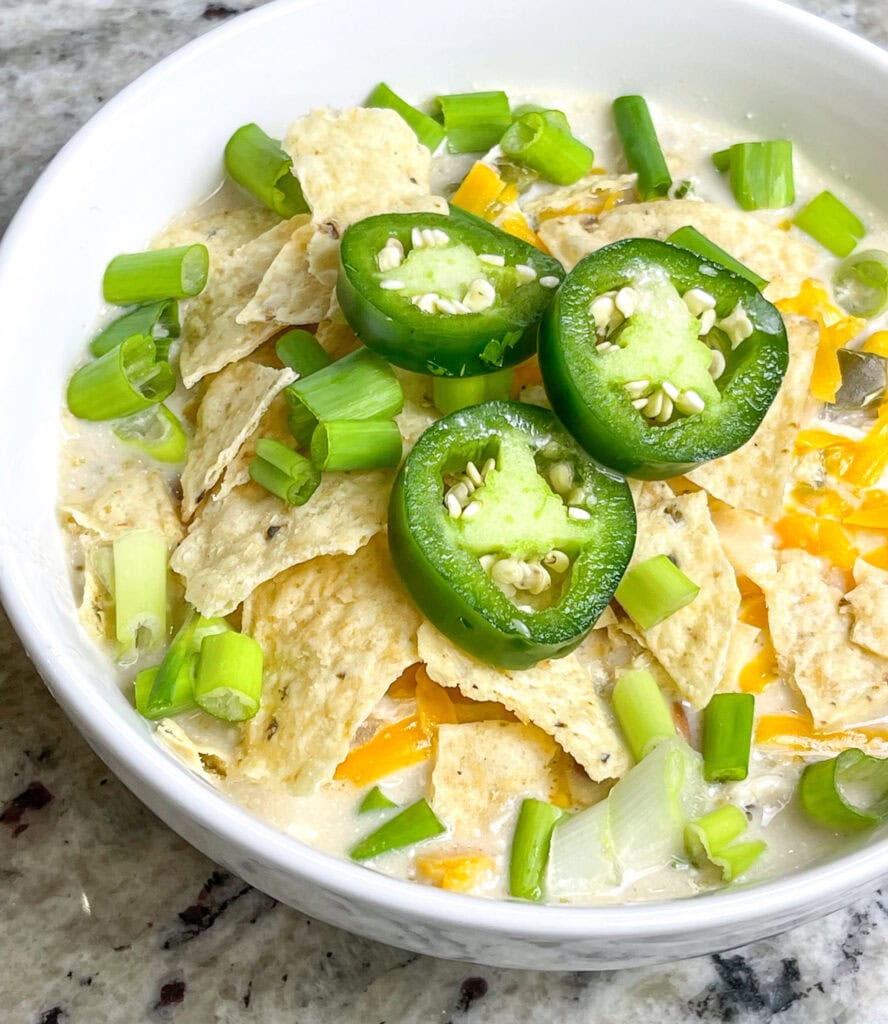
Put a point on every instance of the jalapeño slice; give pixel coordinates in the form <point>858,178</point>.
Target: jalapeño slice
<point>450,296</point>
<point>509,537</point>
<point>657,360</point>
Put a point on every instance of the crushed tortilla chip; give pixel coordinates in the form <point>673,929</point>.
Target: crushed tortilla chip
<point>133,500</point>
<point>692,644</point>
<point>203,757</point>
<point>773,254</point>
<point>558,696</point>
<point>229,412</point>
<point>274,425</point>
<point>593,194</point>
<point>337,339</point>
<point>222,231</point>
<point>249,536</point>
<point>335,631</point>
<point>747,540</point>
<point>869,608</point>
<point>755,476</point>
<point>810,623</point>
<point>741,650</point>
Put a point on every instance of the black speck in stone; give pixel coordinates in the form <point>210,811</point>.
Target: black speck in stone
<point>103,782</point>
<point>216,12</point>
<point>54,1016</point>
<point>219,891</point>
<point>34,798</point>
<point>86,981</point>
<point>70,974</point>
<point>248,995</point>
<point>329,954</point>
<point>471,990</point>
<point>171,994</point>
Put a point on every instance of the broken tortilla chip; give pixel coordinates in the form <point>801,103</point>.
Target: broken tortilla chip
<point>132,500</point>
<point>221,230</point>
<point>869,608</point>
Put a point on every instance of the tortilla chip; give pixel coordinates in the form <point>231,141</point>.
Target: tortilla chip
<point>692,644</point>
<point>747,540</point>
<point>589,195</point>
<point>230,411</point>
<point>220,230</point>
<point>337,339</point>
<point>211,335</point>
<point>335,632</point>
<point>810,623</point>
<point>274,425</point>
<point>755,476</point>
<point>249,536</point>
<point>204,758</point>
<point>558,696</point>
<point>482,771</point>
<point>617,649</point>
<point>134,500</point>
<point>782,259</point>
<point>96,604</point>
<point>742,649</point>
<point>826,744</point>
<point>869,608</point>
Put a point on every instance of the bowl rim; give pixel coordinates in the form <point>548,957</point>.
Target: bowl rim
<point>239,829</point>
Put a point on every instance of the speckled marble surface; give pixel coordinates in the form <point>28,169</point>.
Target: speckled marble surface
<point>106,916</point>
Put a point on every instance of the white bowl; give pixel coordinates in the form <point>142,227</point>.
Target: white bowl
<point>157,148</point>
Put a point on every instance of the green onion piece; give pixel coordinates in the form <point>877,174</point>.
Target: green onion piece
<point>582,861</point>
<point>157,431</point>
<point>181,652</point>
<point>229,676</point>
<point>541,144</point>
<point>642,148</point>
<point>727,736</point>
<point>375,799</point>
<point>257,163</point>
<point>280,470</point>
<point>530,848</point>
<point>827,220</point>
<point>140,591</point>
<point>691,239</point>
<point>655,589</point>
<point>642,712</point>
<point>302,352</point>
<point>475,121</point>
<point>761,174</point>
<point>848,792</point>
<point>452,393</point>
<point>360,386</point>
<point>683,188</point>
<point>141,320</point>
<point>429,132</point>
<point>124,381</point>
<point>861,283</point>
<point>414,824</point>
<point>711,838</point>
<point>555,117</point>
<point>301,425</point>
<point>722,160</point>
<point>176,273</point>
<point>737,859</point>
<point>341,445</point>
<point>182,695</point>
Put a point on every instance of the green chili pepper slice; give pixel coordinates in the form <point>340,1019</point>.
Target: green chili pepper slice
<point>509,537</point>
<point>657,360</point>
<point>450,296</point>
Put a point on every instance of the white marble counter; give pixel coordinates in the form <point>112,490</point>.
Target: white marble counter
<point>109,918</point>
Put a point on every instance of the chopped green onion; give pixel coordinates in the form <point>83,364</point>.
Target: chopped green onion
<point>178,273</point>
<point>140,591</point>
<point>655,589</point>
<point>124,381</point>
<point>761,174</point>
<point>691,239</point>
<point>301,425</point>
<point>727,736</point>
<point>341,445</point>
<point>360,386</point>
<point>848,792</point>
<point>642,148</point>
<point>289,475</point>
<point>540,143</point>
<point>375,800</point>
<point>722,160</point>
<point>302,352</point>
<point>683,189</point>
<point>141,320</point>
<point>711,838</point>
<point>181,652</point>
<point>861,283</point>
<point>229,676</point>
<point>157,431</point>
<point>257,163</point>
<point>182,694</point>
<point>475,121</point>
<point>828,221</point>
<point>642,712</point>
<point>555,117</point>
<point>452,393</point>
<point>414,824</point>
<point>429,132</point>
<point>530,848</point>
<point>582,861</point>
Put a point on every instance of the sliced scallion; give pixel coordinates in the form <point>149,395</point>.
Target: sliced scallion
<point>126,380</point>
<point>452,393</point>
<point>341,445</point>
<point>642,712</point>
<point>691,239</point>
<point>655,589</point>
<point>429,132</point>
<point>257,163</point>
<point>761,174</point>
<point>182,694</point>
<point>727,736</point>
<point>846,793</point>
<point>157,431</point>
<point>182,651</point>
<point>582,861</point>
<point>280,470</point>
<point>136,277</point>
<point>301,424</point>
<point>861,283</point>
<point>475,121</point>
<point>414,824</point>
<point>140,591</point>
<point>375,800</point>
<point>360,386</point>
<point>141,320</point>
<point>828,221</point>
<point>302,352</point>
<point>556,117</point>
<point>530,848</point>
<point>228,684</point>
<point>711,839</point>
<point>539,142</point>
<point>643,154</point>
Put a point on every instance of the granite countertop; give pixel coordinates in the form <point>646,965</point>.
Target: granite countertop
<point>109,917</point>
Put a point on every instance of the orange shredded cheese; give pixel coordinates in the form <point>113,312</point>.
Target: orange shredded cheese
<point>758,673</point>
<point>394,747</point>
<point>822,537</point>
<point>877,343</point>
<point>456,873</point>
<point>404,687</point>
<point>433,704</point>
